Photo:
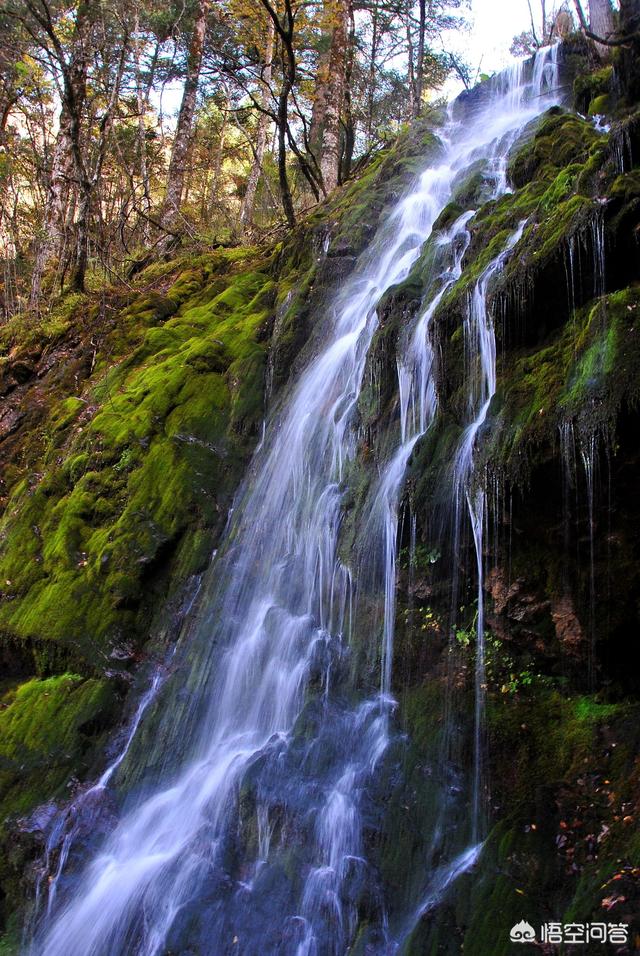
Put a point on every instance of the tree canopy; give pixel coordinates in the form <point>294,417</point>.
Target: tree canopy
<point>127,127</point>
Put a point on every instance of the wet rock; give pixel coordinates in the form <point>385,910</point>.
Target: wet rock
<point>569,630</point>
<point>513,600</point>
<point>10,419</point>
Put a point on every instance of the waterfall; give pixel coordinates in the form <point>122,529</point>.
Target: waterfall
<point>268,701</point>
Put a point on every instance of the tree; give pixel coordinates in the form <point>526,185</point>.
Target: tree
<point>630,52</point>
<point>597,14</point>
<point>422,27</point>
<point>90,162</point>
<point>330,87</point>
<point>182,138</point>
<point>422,23</point>
<point>248,203</point>
<point>284,26</point>
<point>552,23</point>
<point>601,18</point>
<point>288,96</point>
<point>72,67</point>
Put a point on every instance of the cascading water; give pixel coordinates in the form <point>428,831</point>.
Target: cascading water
<point>274,627</point>
<point>481,347</point>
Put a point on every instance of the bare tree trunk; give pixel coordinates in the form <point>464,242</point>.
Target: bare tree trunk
<point>332,90</point>
<point>142,104</point>
<point>284,28</point>
<point>66,166</point>
<point>54,226</point>
<point>90,178</point>
<point>419,71</point>
<point>285,189</point>
<point>328,101</point>
<point>349,125</point>
<point>182,138</point>
<point>534,33</point>
<point>319,106</point>
<point>8,98</point>
<point>601,18</point>
<point>411,71</point>
<point>218,160</point>
<point>630,53</point>
<point>599,11</point>
<point>373,55</point>
<point>248,202</point>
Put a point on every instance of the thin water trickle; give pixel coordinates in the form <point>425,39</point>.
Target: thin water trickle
<point>568,478</point>
<point>480,344</point>
<point>588,453</point>
<point>622,150</point>
<point>276,617</point>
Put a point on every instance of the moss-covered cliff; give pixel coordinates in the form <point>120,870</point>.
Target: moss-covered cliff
<point>129,417</point>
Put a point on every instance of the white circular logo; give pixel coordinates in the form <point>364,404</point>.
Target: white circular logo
<point>522,932</point>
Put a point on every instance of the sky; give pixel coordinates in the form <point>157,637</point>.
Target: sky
<point>492,27</point>
<point>494,23</point>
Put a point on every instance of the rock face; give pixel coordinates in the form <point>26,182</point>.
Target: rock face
<point>559,449</point>
<point>128,422</point>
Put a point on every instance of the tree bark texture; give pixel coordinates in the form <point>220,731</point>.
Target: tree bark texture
<point>182,138</point>
<point>66,165</point>
<point>325,138</point>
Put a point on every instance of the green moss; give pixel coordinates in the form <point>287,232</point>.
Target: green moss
<point>600,105</point>
<point>447,217</point>
<point>550,237</point>
<point>590,87</point>
<point>561,187</point>
<point>357,207</point>
<point>556,780</point>
<point>162,449</point>
<point>547,201</point>
<point>473,187</point>
<point>626,187</point>
<point>127,486</point>
<point>66,412</point>
<point>121,480</point>
<point>11,942</point>
<point>514,873</point>
<point>46,727</point>
<point>559,139</point>
<point>593,367</point>
<point>31,330</point>
<point>584,375</point>
<point>414,801</point>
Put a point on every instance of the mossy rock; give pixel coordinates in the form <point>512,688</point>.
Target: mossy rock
<point>161,451</point>
<point>555,141</point>
<point>474,186</point>
<point>590,87</point>
<point>586,375</point>
<point>47,728</point>
<point>600,105</point>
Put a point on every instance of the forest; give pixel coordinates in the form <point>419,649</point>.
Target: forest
<point>277,107</point>
<point>319,525</point>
